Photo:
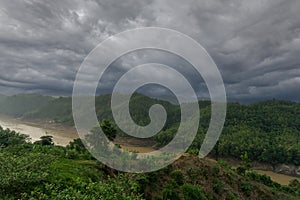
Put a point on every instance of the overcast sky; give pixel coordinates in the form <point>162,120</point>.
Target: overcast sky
<point>255,44</point>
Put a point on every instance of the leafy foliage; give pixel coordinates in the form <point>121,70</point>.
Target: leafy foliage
<point>45,140</point>
<point>8,137</point>
<point>267,131</point>
<point>35,171</point>
<point>192,192</point>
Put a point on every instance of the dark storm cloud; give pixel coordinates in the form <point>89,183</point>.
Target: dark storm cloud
<point>256,44</point>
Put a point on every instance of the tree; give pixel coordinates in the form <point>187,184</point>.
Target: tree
<point>9,137</point>
<point>95,139</point>
<point>45,140</point>
<point>77,145</point>
<point>109,130</point>
<point>246,161</point>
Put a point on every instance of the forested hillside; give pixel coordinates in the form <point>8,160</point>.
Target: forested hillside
<point>267,131</point>
<point>42,170</point>
<point>19,105</point>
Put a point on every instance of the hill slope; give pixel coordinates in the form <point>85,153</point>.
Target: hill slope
<point>18,105</point>
<point>54,172</point>
<point>267,131</point>
<point>194,178</point>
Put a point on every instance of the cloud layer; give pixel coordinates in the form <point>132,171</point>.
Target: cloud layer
<point>256,44</point>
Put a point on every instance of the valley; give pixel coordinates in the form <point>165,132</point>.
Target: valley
<point>63,134</point>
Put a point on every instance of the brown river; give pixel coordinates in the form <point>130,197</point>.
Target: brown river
<point>62,135</point>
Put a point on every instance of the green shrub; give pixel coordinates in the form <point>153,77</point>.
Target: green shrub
<point>246,188</point>
<point>170,194</point>
<point>224,164</point>
<point>216,170</point>
<point>22,173</point>
<point>192,192</point>
<point>193,173</point>
<point>143,181</point>
<point>264,179</point>
<point>204,172</point>
<point>120,187</point>
<point>218,186</point>
<point>294,183</point>
<point>241,170</point>
<point>193,151</point>
<point>233,196</point>
<point>178,176</point>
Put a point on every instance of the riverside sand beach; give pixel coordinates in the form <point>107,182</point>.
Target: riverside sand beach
<point>62,135</point>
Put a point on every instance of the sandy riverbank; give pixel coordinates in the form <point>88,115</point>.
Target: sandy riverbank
<point>62,135</point>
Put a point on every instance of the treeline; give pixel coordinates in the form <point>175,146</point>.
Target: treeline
<point>268,131</point>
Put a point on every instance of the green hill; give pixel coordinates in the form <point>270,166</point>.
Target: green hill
<point>267,131</point>
<point>46,171</point>
<point>58,109</point>
<point>18,105</point>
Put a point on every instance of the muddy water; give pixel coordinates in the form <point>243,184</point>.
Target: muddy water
<point>61,135</point>
<point>279,178</point>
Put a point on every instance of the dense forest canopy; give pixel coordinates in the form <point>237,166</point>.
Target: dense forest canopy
<point>267,131</point>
